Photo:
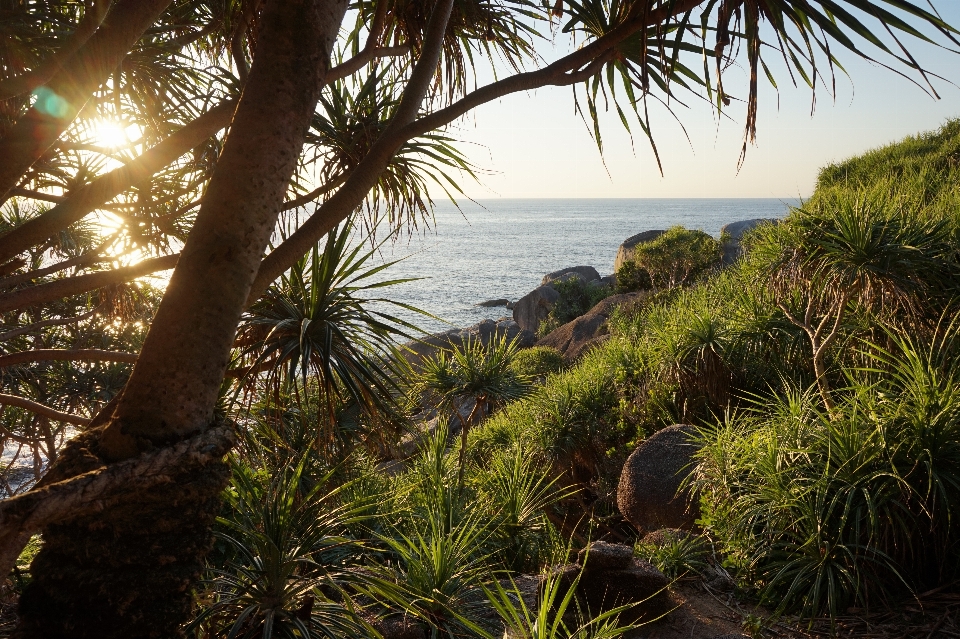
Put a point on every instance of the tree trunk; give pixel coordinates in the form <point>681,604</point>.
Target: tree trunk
<point>128,571</point>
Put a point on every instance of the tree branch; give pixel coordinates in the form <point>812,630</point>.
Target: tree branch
<point>81,261</point>
<point>90,197</point>
<point>36,326</point>
<point>71,87</point>
<point>306,198</point>
<point>40,409</point>
<point>37,195</point>
<point>66,355</point>
<point>68,286</point>
<point>363,58</point>
<point>574,67</point>
<point>369,169</point>
<point>92,18</point>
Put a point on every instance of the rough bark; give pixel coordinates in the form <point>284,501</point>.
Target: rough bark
<point>123,543</point>
<point>173,388</point>
<point>39,128</point>
<point>40,409</point>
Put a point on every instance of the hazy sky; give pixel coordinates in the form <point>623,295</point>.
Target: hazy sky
<point>538,147</point>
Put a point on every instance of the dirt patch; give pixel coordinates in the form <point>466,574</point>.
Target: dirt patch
<point>702,613</point>
<point>699,614</point>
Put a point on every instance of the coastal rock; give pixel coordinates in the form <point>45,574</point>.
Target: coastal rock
<point>533,308</point>
<point>415,352</point>
<point>569,277</point>
<point>732,234</point>
<point>602,555</point>
<point>664,537</point>
<point>495,303</point>
<point>575,337</point>
<point>588,273</point>
<point>649,494</point>
<point>626,251</point>
<point>525,588</point>
<point>615,578</point>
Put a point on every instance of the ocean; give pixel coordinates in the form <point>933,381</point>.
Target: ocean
<point>502,248</point>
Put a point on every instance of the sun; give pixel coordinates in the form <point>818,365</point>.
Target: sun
<point>110,135</point>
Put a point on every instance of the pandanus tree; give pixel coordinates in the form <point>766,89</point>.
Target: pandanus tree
<point>314,329</point>
<point>849,252</point>
<point>125,511</point>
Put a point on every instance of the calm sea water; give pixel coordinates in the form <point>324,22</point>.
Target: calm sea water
<point>502,248</point>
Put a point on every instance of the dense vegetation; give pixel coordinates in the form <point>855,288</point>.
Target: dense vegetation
<point>224,140</point>
<point>821,369</point>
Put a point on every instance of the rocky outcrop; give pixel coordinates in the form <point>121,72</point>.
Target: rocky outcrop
<point>628,248</point>
<point>649,494</point>
<point>426,423</point>
<point>576,337</point>
<point>664,537</point>
<point>495,303</point>
<point>417,351</point>
<point>610,576</point>
<point>732,233</point>
<point>588,273</point>
<point>533,308</point>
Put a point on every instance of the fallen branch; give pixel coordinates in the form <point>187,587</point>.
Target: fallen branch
<point>97,490</point>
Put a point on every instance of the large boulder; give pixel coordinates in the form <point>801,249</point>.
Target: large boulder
<point>613,577</point>
<point>415,352</point>
<point>733,233</point>
<point>626,251</point>
<point>576,337</point>
<point>588,273</point>
<point>649,494</point>
<point>533,308</point>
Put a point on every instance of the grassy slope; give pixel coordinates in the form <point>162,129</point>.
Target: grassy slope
<point>920,170</point>
<point>692,355</point>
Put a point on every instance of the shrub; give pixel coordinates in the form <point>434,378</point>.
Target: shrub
<point>679,554</point>
<point>823,510</point>
<point>576,298</point>
<point>538,361</point>
<point>632,278</point>
<point>678,257</point>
